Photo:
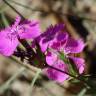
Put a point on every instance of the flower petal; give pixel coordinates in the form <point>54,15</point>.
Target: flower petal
<point>79,63</point>
<point>74,46</point>
<point>56,75</point>
<point>43,46</point>
<point>29,30</point>
<point>51,58</point>
<point>60,41</point>
<point>8,43</point>
<point>17,21</point>
<point>62,36</point>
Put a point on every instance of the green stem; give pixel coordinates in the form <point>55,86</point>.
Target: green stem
<point>82,92</point>
<point>4,19</point>
<point>13,9</point>
<point>34,80</point>
<point>71,75</point>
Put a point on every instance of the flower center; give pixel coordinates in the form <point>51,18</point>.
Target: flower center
<point>13,33</point>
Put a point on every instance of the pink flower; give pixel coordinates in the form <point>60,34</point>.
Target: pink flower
<point>58,45</point>
<point>9,36</point>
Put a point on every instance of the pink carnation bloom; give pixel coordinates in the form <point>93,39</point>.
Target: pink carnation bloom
<point>61,43</point>
<point>9,36</point>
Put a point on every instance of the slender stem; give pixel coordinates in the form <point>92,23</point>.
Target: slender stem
<point>31,68</point>
<point>82,92</point>
<point>86,84</point>
<point>4,19</point>
<point>34,80</point>
<point>13,9</point>
<point>27,7</point>
<point>28,47</point>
